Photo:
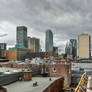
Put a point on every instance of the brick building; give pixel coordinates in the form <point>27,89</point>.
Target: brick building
<point>61,70</point>
<point>31,55</point>
<point>17,54</point>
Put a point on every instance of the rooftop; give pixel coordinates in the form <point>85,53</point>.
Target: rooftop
<point>27,86</point>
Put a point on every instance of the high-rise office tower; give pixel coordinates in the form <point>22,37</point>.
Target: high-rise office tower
<point>49,41</point>
<point>55,50</point>
<point>84,46</point>
<point>68,48</point>
<point>3,47</point>
<point>22,36</point>
<point>34,44</point>
<point>74,47</point>
<point>71,47</point>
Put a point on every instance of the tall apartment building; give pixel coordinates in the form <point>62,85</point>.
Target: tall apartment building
<point>84,45</point>
<point>22,36</point>
<point>34,44</point>
<point>49,41</point>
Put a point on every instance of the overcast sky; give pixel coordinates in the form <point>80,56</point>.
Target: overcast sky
<point>66,18</point>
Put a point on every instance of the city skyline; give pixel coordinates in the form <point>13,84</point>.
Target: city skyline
<point>58,15</point>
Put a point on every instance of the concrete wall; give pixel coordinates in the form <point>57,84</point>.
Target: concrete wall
<point>82,65</point>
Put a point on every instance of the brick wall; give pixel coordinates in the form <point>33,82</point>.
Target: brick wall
<point>56,86</point>
<point>11,55</point>
<point>61,70</point>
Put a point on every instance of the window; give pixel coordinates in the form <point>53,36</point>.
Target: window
<point>54,69</point>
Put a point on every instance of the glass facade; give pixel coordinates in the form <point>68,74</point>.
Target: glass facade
<point>71,47</point>
<point>22,36</point>
<point>49,41</point>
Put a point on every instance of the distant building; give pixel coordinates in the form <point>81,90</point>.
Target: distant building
<point>17,53</point>
<point>84,46</point>
<point>3,47</point>
<point>71,47</point>
<point>74,47</point>
<point>55,50</point>
<point>22,36</point>
<point>31,55</point>
<point>68,48</point>
<point>49,41</point>
<point>34,44</point>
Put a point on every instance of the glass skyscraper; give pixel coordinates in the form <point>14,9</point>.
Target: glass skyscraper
<point>22,36</point>
<point>74,47</point>
<point>71,47</point>
<point>49,41</point>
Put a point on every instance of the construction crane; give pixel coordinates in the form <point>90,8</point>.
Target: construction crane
<point>3,35</point>
<point>82,86</point>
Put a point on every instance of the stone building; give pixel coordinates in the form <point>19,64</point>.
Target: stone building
<point>84,46</point>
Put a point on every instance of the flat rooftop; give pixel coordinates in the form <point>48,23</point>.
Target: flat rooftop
<point>5,69</point>
<point>27,86</point>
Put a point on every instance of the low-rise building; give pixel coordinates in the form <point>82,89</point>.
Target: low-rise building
<point>31,55</point>
<point>43,85</point>
<point>58,70</point>
<point>17,54</point>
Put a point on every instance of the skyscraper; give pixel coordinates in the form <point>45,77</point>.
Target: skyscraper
<point>68,48</point>
<point>74,47</point>
<point>55,50</point>
<point>49,41</point>
<point>22,36</point>
<point>3,47</point>
<point>34,44</point>
<point>84,45</point>
<point>71,47</point>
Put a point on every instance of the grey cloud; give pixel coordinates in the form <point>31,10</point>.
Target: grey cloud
<point>66,18</point>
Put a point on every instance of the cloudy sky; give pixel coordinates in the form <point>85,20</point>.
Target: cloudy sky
<point>66,18</point>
